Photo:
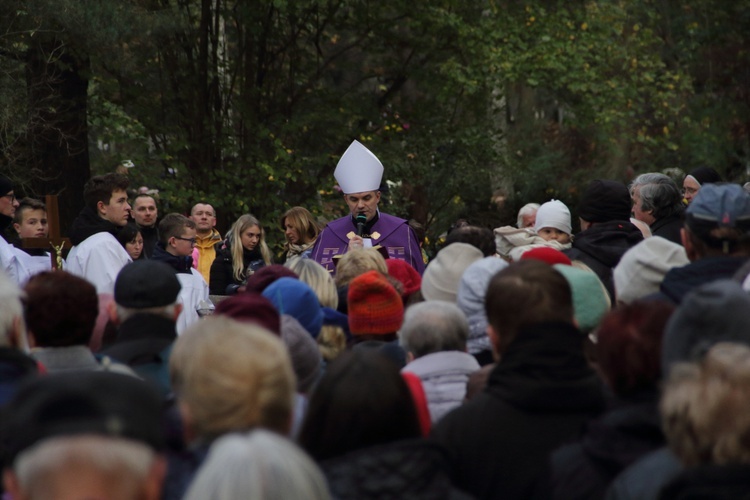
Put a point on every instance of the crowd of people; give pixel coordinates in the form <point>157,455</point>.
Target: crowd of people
<point>550,358</point>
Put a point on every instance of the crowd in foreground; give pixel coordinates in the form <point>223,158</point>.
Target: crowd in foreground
<point>526,362</point>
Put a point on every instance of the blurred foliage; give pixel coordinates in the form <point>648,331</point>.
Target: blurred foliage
<point>474,108</point>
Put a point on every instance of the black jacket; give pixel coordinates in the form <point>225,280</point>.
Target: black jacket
<point>407,469</point>
<point>150,239</point>
<point>181,264</point>
<point>669,227</point>
<point>88,223</point>
<point>627,432</point>
<point>222,280</point>
<point>717,482</point>
<point>539,396</point>
<point>679,281</point>
<point>601,247</point>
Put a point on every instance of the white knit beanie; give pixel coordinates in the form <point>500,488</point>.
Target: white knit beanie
<point>555,214</point>
<point>443,274</point>
<point>472,291</point>
<point>642,268</point>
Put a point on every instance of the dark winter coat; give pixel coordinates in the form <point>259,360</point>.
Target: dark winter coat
<point>669,227</point>
<point>180,263</point>
<point>601,247</point>
<point>538,397</point>
<point>223,281</point>
<point>410,469</point>
<point>88,223</point>
<point>717,482</point>
<point>680,280</point>
<point>150,239</point>
<point>630,430</point>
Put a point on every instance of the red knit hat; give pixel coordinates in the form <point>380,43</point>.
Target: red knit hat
<point>549,255</point>
<point>407,275</point>
<point>374,305</point>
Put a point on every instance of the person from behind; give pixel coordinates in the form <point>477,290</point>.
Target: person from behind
<point>519,418</point>
<point>242,253</point>
<point>15,364</point>
<point>228,377</point>
<point>361,418</point>
<point>261,465</point>
<point>704,412</point>
<point>434,337</point>
<point>84,435</point>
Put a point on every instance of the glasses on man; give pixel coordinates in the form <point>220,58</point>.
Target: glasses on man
<point>10,196</point>
<point>191,240</point>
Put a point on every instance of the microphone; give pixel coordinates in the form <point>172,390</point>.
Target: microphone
<point>361,220</point>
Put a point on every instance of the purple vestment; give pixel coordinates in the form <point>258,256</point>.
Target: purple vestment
<point>392,233</point>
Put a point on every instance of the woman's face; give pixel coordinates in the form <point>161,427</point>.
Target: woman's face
<point>250,237</point>
<point>135,247</point>
<point>292,235</point>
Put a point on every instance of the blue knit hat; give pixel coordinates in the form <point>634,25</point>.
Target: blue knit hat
<point>295,298</point>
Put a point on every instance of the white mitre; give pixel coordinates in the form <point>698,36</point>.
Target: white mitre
<point>358,170</point>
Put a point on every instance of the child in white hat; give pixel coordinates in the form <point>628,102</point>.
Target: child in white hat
<point>552,229</point>
<point>553,222</point>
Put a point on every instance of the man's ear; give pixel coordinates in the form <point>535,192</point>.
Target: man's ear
<point>409,357</point>
<point>687,244</point>
<point>100,208</point>
<point>177,310</point>
<point>112,313</point>
<point>10,482</point>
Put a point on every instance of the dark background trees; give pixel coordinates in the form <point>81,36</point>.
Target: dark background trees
<point>468,104</point>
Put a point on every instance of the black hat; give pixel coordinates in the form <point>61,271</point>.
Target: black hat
<point>6,185</point>
<point>705,175</point>
<point>66,404</point>
<point>604,201</point>
<point>146,283</point>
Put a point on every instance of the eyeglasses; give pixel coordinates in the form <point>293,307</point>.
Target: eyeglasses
<point>191,240</point>
<point>10,196</point>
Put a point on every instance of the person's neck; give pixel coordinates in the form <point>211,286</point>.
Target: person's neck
<point>203,234</point>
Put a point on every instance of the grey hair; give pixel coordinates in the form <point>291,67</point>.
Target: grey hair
<point>433,326</point>
<point>167,311</point>
<point>527,209</point>
<point>659,193</point>
<point>11,311</point>
<point>261,465</point>
<point>125,464</point>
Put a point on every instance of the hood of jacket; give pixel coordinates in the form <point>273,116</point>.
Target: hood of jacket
<point>88,223</point>
<point>607,241</point>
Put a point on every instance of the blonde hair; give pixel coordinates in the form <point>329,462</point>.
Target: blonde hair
<point>232,376</point>
<point>331,340</point>
<point>359,261</point>
<point>706,407</point>
<point>235,235</point>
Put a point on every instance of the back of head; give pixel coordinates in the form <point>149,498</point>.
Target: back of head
<point>375,307</point>
<point>146,284</point>
<point>604,201</point>
<point>642,267</point>
<point>251,307</point>
<point>472,291</point>
<point>433,326</point>
<point>479,237</point>
<point>61,309</point>
<point>360,401</point>
<point>705,408</point>
<point>293,297</point>
<point>712,313</point>
<point>232,376</point>
<point>527,293</point>
<point>318,279</point>
<point>718,220</point>
<point>100,188</point>
<point>357,262</point>
<point>628,346</point>
<point>590,299</point>
<point>658,193</point>
<point>260,464</point>
<point>443,275</point>
<point>263,277</point>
